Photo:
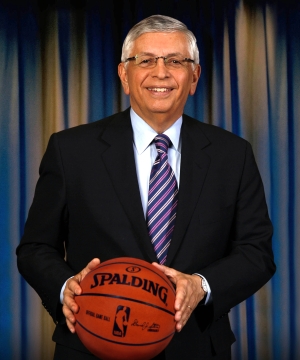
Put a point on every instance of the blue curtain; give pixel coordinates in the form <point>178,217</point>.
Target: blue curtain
<point>58,68</point>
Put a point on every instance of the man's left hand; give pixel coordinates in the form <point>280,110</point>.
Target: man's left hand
<point>188,293</point>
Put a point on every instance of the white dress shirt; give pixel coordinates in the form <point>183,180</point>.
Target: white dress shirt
<point>145,152</point>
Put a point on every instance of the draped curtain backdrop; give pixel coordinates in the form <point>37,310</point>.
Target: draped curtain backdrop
<point>58,69</point>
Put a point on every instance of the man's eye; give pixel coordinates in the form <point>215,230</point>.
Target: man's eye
<point>175,61</point>
<point>146,61</point>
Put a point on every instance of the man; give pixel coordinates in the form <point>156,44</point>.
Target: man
<point>91,201</point>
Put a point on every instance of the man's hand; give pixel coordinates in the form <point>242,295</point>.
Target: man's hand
<point>188,293</point>
<point>73,288</point>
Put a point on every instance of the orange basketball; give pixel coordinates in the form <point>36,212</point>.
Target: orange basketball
<point>126,310</point>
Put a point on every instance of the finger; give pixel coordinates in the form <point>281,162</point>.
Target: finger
<point>73,284</point>
<point>184,292</point>
<point>70,326</point>
<point>172,274</point>
<point>158,266</point>
<point>73,288</point>
<point>71,304</point>
<point>69,315</point>
<point>192,287</point>
<point>182,316</point>
<point>176,278</point>
<point>70,318</point>
<point>187,293</point>
<point>90,266</point>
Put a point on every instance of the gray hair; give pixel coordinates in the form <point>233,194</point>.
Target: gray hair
<point>159,23</point>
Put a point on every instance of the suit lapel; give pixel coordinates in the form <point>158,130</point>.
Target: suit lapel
<point>118,157</point>
<point>194,167</point>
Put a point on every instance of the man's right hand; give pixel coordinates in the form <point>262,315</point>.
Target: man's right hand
<point>73,288</point>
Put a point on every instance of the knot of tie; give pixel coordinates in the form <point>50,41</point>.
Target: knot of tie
<point>162,143</point>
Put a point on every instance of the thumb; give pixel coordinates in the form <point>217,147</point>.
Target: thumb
<point>90,266</point>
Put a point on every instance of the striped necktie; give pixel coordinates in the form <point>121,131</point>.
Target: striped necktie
<point>162,200</point>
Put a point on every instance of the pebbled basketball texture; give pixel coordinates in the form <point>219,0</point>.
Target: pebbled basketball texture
<point>126,310</point>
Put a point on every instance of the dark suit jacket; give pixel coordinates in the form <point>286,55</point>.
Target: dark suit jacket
<point>87,201</point>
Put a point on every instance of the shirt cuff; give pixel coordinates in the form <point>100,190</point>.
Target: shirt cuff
<point>62,291</point>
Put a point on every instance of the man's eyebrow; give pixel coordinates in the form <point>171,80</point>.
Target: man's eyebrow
<point>154,55</point>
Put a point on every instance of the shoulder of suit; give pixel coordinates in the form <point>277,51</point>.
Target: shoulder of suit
<point>212,132</point>
<point>95,127</point>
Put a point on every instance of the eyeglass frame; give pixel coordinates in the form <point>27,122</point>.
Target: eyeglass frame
<point>158,57</point>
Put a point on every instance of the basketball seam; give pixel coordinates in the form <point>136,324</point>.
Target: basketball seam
<point>129,299</point>
<point>123,343</point>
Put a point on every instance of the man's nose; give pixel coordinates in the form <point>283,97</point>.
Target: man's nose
<point>160,70</point>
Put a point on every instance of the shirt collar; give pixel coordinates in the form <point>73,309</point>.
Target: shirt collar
<point>143,134</point>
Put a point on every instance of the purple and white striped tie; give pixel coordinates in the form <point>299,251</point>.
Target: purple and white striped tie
<point>162,200</point>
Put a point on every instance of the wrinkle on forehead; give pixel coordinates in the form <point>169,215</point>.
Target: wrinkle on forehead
<point>154,35</point>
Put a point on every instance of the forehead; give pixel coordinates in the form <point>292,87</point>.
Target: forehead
<point>161,43</point>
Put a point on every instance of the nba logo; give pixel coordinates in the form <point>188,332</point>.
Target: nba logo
<point>121,321</point>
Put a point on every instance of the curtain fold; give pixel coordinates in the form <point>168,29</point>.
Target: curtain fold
<point>58,69</point>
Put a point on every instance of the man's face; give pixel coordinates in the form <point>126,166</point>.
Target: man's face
<point>158,95</point>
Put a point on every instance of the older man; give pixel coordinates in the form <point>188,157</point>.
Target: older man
<point>204,224</point>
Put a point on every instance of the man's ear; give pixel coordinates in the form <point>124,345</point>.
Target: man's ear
<point>122,72</point>
<point>196,76</point>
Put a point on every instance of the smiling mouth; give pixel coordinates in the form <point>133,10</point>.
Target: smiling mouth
<point>164,90</point>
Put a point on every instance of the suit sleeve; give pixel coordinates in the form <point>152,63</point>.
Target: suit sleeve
<point>41,252</point>
<point>249,263</point>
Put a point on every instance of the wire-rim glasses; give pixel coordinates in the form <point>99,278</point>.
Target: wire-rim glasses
<point>171,61</point>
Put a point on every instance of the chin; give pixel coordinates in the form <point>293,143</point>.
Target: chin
<point>159,109</point>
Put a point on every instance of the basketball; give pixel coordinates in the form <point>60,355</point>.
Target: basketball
<point>126,310</point>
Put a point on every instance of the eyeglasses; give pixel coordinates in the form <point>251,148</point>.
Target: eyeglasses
<point>149,62</point>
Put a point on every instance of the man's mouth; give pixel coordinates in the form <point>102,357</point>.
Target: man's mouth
<point>155,89</point>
